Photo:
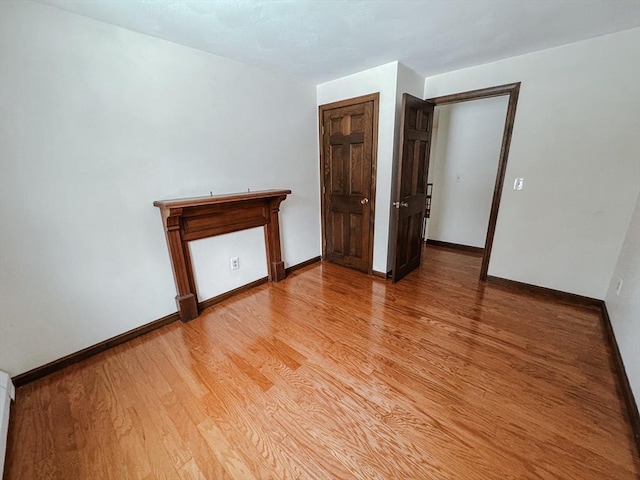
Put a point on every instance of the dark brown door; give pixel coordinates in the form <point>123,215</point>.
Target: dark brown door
<point>411,186</point>
<point>348,161</point>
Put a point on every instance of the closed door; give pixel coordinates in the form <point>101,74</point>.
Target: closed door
<point>348,139</point>
<point>411,187</point>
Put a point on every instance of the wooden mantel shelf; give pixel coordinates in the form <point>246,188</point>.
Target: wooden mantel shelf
<point>214,199</point>
<point>188,219</point>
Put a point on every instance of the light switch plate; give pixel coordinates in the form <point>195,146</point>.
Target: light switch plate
<point>518,184</point>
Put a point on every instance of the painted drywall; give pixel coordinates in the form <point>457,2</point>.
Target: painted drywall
<point>97,123</point>
<point>382,79</point>
<point>214,254</point>
<point>624,308</point>
<point>464,164</point>
<point>576,144</point>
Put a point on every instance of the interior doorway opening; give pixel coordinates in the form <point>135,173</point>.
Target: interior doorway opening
<point>511,91</point>
<point>465,150</point>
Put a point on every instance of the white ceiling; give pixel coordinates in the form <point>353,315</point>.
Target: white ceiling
<point>320,40</point>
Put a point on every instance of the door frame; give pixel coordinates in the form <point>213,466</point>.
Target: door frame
<point>512,90</point>
<point>375,97</point>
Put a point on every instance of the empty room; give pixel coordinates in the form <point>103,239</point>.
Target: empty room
<point>319,239</point>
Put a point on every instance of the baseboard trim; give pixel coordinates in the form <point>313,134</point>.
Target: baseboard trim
<point>231,293</point>
<point>456,246</point>
<point>300,265</point>
<point>549,293</point>
<point>261,281</point>
<point>378,274</point>
<point>85,353</point>
<point>624,387</point>
<point>59,364</point>
<point>621,373</point>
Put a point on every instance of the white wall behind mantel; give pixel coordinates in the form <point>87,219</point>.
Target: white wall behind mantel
<point>97,123</point>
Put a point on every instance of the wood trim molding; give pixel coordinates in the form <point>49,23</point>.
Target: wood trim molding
<point>85,353</point>
<point>59,364</point>
<point>223,296</point>
<point>502,170</point>
<point>623,381</point>
<point>457,246</point>
<point>261,281</point>
<point>378,274</point>
<point>624,387</point>
<point>189,219</point>
<point>548,293</point>
<point>306,263</point>
<point>481,93</point>
<point>513,91</point>
<point>374,177</point>
<point>371,97</point>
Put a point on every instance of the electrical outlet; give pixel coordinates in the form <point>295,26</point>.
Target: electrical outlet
<point>235,263</point>
<point>619,286</point>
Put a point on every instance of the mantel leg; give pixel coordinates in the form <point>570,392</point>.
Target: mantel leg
<point>187,307</point>
<point>272,241</point>
<point>186,300</point>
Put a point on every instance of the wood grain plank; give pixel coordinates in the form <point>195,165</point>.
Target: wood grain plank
<point>334,375</point>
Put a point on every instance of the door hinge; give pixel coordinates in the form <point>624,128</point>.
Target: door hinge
<point>322,129</point>
<point>324,190</point>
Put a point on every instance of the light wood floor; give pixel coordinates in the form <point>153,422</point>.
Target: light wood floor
<point>332,374</point>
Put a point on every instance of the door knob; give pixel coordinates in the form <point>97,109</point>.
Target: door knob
<point>404,204</point>
<point>364,201</point>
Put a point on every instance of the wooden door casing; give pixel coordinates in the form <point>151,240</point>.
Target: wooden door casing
<point>411,189</point>
<point>512,90</point>
<point>348,144</point>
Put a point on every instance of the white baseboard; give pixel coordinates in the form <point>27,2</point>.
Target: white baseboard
<point>7,393</point>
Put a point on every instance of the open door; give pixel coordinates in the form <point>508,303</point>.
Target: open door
<point>411,187</point>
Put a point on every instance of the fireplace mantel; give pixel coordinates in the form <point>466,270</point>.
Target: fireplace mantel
<point>188,219</point>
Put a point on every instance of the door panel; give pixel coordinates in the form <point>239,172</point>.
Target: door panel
<point>348,161</point>
<point>411,188</point>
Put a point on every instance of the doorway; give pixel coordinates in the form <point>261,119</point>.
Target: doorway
<point>348,147</point>
<point>510,90</point>
<point>464,161</point>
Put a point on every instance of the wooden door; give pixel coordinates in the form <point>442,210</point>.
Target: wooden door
<point>411,186</point>
<point>348,139</point>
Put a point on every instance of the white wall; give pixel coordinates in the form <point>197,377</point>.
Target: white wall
<point>213,255</point>
<point>97,123</point>
<point>381,79</point>
<point>624,309</point>
<point>464,164</point>
<point>576,144</point>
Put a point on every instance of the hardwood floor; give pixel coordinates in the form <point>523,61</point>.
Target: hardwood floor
<point>333,374</point>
